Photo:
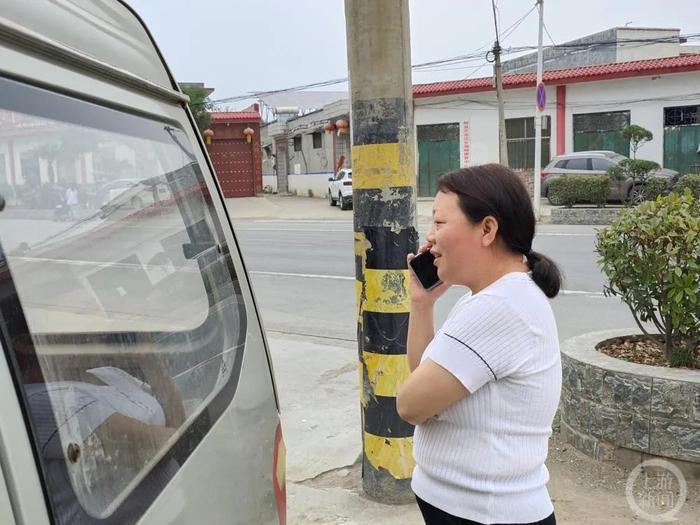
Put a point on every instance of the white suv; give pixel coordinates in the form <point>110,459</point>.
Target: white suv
<point>340,189</point>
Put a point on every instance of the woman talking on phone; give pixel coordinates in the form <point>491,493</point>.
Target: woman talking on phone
<point>484,389</point>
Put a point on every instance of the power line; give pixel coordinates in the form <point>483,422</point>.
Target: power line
<point>547,31</point>
<point>476,56</point>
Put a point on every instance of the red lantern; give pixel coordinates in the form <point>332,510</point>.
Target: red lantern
<point>342,125</point>
<point>329,127</point>
<point>207,134</point>
<point>249,132</point>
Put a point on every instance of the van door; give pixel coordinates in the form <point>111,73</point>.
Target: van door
<point>6,514</point>
<point>128,325</point>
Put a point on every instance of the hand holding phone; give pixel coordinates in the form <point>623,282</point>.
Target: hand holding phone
<point>424,270</point>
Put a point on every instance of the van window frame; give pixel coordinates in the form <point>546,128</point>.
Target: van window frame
<point>35,100</point>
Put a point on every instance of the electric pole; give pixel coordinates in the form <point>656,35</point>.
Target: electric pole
<point>502,142</point>
<point>384,201</point>
<point>540,101</point>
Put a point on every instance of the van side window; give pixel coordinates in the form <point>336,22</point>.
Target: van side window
<point>121,311</point>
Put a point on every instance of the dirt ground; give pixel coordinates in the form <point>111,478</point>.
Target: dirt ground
<point>584,491</point>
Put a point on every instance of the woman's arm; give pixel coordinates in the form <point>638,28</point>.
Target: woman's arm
<point>429,390</point>
<point>421,331</point>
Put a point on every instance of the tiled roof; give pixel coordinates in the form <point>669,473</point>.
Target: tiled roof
<point>658,66</point>
<point>235,116</point>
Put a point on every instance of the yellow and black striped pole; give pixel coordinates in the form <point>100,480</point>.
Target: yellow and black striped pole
<point>384,185</point>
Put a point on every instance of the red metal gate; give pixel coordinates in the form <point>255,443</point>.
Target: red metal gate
<point>233,163</point>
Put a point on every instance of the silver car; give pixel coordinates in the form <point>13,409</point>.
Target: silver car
<point>135,381</point>
<point>597,163</point>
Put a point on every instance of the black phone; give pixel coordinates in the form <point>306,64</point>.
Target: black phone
<point>423,267</point>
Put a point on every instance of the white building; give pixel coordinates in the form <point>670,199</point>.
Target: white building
<point>457,122</point>
<point>594,85</point>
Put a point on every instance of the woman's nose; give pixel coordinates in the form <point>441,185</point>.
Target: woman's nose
<point>431,235</point>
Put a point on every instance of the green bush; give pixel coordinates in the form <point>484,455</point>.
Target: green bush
<point>637,170</point>
<point>594,189</point>
<point>562,191</point>
<point>651,256</point>
<point>655,187</point>
<point>568,191</point>
<point>690,182</point>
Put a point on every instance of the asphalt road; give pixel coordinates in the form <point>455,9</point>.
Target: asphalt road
<point>303,275</point>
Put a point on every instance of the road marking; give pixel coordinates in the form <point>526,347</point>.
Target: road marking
<point>314,230</point>
<point>562,234</point>
<point>288,230</point>
<point>304,275</point>
<point>132,266</point>
<point>345,278</point>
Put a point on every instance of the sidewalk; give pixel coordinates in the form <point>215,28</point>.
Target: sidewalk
<point>266,207</point>
<point>318,387</point>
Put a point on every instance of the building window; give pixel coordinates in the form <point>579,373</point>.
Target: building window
<point>520,135</point>
<point>682,116</point>
<point>317,139</point>
<point>601,131</point>
<point>681,139</point>
<point>297,143</point>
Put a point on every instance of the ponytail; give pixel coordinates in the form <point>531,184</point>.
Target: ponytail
<point>545,273</point>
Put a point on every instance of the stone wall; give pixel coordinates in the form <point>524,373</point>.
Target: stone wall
<point>584,215</point>
<point>607,403</point>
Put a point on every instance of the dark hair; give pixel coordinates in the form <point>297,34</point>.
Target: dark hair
<point>493,189</point>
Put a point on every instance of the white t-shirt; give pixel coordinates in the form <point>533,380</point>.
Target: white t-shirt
<point>483,457</point>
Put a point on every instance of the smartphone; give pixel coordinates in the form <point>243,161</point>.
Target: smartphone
<point>423,267</point>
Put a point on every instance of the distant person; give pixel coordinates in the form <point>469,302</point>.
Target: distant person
<point>484,389</point>
<point>71,200</point>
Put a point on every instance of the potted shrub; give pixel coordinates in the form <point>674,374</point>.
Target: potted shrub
<point>651,257</point>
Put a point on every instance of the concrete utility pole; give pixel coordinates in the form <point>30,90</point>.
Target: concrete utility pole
<point>502,142</point>
<point>539,107</point>
<point>384,199</point>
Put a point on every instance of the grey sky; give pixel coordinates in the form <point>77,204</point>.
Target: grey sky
<point>239,46</point>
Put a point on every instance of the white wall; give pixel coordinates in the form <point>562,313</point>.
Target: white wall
<point>317,182</point>
<point>480,111</point>
<point>644,97</point>
<point>270,180</point>
<point>630,51</point>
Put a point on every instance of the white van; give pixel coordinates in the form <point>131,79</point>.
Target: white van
<point>135,381</point>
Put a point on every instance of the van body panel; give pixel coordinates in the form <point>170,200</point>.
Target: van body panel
<point>17,461</point>
<point>106,30</point>
<point>227,476</point>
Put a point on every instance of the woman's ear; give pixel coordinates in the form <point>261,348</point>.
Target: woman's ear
<point>489,229</point>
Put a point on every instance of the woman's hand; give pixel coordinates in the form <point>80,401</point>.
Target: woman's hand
<point>420,297</point>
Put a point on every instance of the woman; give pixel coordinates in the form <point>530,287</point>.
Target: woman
<point>483,390</point>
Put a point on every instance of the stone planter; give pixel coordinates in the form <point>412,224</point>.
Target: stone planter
<point>583,215</point>
<point>614,410</point>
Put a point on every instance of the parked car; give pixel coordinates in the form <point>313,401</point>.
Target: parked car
<point>597,163</point>
<point>135,378</point>
<point>340,189</point>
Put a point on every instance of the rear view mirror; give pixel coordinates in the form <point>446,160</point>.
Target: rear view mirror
<point>330,179</point>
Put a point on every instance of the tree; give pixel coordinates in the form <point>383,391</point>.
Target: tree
<point>638,170</point>
<point>200,105</point>
<point>637,136</point>
<point>650,256</point>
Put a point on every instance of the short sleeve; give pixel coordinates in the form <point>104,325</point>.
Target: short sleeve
<point>485,340</point>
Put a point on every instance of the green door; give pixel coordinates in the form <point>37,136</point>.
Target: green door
<point>438,153</point>
<point>600,131</point>
<point>601,140</point>
<point>681,145</point>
